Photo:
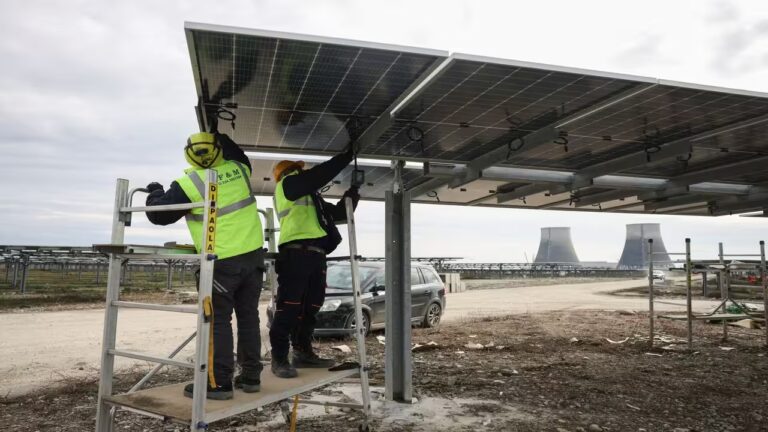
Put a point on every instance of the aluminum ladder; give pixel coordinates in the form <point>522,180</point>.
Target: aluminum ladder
<point>202,412</point>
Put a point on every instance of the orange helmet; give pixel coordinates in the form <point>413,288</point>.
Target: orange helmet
<point>284,166</point>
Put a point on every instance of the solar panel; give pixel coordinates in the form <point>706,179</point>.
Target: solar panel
<point>662,114</point>
<point>299,93</point>
<point>476,100</point>
<point>310,95</point>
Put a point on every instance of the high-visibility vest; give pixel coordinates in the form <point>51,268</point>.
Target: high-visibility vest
<point>238,226</point>
<point>298,219</point>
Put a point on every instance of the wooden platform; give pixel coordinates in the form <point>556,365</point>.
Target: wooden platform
<point>169,402</point>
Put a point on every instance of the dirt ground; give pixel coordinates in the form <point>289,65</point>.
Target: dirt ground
<point>540,372</point>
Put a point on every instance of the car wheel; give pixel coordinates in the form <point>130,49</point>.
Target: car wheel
<point>433,315</point>
<point>366,323</point>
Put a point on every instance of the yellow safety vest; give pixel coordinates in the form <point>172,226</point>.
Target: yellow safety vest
<point>298,219</point>
<point>238,226</point>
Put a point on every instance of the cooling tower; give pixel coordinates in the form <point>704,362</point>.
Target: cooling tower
<point>635,254</point>
<point>556,246</point>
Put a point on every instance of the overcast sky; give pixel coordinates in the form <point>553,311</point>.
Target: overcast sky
<point>95,90</point>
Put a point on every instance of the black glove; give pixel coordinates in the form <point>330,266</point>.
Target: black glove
<point>225,140</point>
<point>353,193</point>
<point>352,148</point>
<point>154,186</point>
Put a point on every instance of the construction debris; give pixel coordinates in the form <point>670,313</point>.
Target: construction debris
<point>472,345</point>
<point>745,323</point>
<point>617,342</point>
<point>343,348</point>
<point>428,346</point>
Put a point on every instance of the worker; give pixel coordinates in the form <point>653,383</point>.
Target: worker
<point>239,265</point>
<point>307,234</point>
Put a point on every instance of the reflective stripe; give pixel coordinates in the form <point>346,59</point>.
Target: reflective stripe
<point>236,206</point>
<point>306,200</point>
<point>198,182</point>
<point>225,210</point>
<point>244,176</point>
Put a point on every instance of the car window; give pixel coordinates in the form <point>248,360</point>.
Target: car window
<point>415,278</point>
<point>340,276</point>
<point>379,281</point>
<point>430,277</point>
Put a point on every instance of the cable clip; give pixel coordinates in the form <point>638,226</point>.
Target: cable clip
<point>562,140</point>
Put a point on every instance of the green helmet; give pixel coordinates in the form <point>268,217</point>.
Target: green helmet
<point>203,150</point>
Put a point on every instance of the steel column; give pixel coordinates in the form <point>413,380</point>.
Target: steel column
<point>650,293</point>
<point>24,273</point>
<point>398,365</point>
<point>763,275</point>
<point>688,304</point>
<point>169,275</point>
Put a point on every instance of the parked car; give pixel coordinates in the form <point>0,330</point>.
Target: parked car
<point>337,315</point>
<point>659,275</point>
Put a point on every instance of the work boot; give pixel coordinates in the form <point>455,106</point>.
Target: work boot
<point>222,392</point>
<point>281,368</point>
<point>304,359</point>
<point>250,383</point>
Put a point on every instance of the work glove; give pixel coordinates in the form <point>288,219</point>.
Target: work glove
<point>353,193</point>
<point>155,186</point>
<point>155,189</point>
<point>352,149</point>
<point>224,140</point>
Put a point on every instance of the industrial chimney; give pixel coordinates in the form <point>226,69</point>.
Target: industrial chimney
<point>635,254</point>
<point>556,246</point>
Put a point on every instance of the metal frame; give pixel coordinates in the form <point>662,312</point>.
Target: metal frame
<point>216,28</point>
<point>724,283</point>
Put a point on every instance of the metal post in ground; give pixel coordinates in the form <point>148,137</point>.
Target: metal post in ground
<point>688,303</point>
<point>397,370</point>
<point>7,269</point>
<point>704,285</point>
<point>723,288</point>
<point>763,275</point>
<point>650,293</point>
<point>169,275</point>
<point>98,272</point>
<point>16,263</point>
<point>183,272</point>
<point>24,273</point>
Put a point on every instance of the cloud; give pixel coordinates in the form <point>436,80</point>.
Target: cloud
<point>642,52</point>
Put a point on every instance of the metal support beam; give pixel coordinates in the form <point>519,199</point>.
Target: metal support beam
<point>427,186</point>
<point>521,192</point>
<point>602,197</point>
<point>371,135</point>
<point>740,204</point>
<point>686,200</point>
<point>397,369</point>
<point>718,172</point>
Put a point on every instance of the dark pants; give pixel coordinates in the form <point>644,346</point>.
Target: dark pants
<point>300,295</point>
<point>237,285</point>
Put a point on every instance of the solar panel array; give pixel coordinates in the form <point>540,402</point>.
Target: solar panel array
<point>307,95</point>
